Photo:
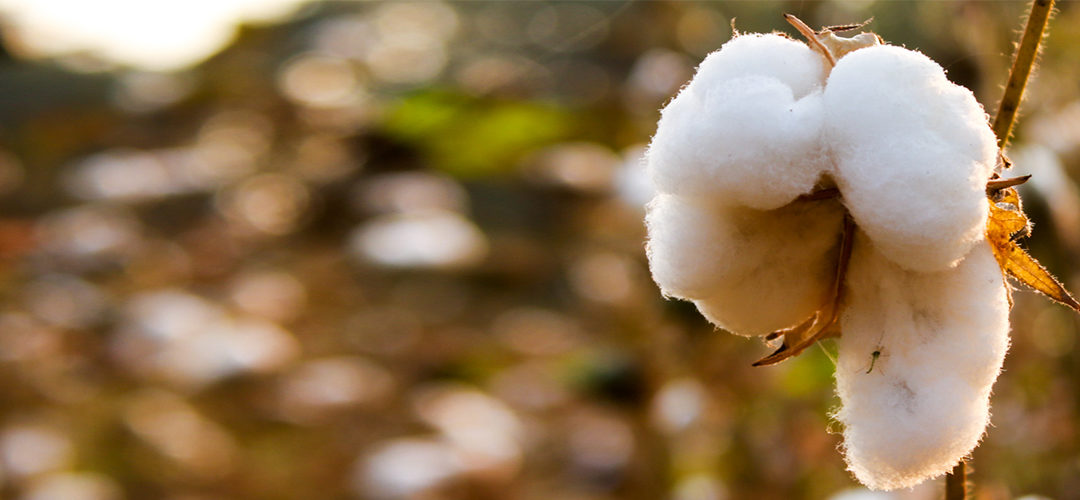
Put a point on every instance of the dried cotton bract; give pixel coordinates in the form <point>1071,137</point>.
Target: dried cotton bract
<point>740,159</point>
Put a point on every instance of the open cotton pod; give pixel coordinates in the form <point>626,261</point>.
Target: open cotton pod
<point>748,271</point>
<point>848,187</point>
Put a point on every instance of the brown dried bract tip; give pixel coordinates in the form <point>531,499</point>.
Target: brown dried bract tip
<point>1003,162</point>
<point>811,36</point>
<point>995,185</point>
<point>833,47</point>
<point>848,27</point>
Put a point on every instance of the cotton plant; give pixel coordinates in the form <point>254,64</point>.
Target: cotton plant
<point>844,187</point>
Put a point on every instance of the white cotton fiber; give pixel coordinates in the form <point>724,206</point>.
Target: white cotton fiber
<point>912,155</point>
<point>924,318</point>
<point>747,129</point>
<point>942,338</point>
<point>748,271</point>
<point>775,56</point>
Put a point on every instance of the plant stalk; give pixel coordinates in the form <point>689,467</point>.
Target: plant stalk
<point>1023,62</point>
<point>956,482</point>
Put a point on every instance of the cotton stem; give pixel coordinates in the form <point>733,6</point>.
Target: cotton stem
<point>1024,61</point>
<point>956,482</point>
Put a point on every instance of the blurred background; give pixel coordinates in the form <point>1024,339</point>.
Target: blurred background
<point>289,249</point>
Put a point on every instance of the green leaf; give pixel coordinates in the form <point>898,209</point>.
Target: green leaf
<point>467,136</point>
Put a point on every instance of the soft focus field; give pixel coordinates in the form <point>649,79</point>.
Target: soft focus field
<point>395,251</point>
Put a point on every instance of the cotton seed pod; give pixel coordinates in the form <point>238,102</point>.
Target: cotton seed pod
<point>912,154</point>
<point>917,358</point>
<point>747,129</point>
<point>748,271</point>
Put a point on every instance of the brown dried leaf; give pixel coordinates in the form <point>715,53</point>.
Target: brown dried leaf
<point>798,338</point>
<point>1006,223</point>
<point>830,46</point>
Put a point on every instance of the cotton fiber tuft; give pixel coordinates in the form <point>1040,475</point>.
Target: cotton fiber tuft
<point>790,62</point>
<point>746,131</point>
<point>748,271</point>
<point>918,406</point>
<point>912,155</point>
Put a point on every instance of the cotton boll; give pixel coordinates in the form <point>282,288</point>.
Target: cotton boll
<point>913,90</point>
<point>743,141</point>
<point>925,220</point>
<point>749,271</point>
<point>775,56</point>
<point>922,403</point>
<point>912,155</point>
<point>787,260</point>
<point>689,247</point>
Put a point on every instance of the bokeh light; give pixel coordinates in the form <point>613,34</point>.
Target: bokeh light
<point>394,250</point>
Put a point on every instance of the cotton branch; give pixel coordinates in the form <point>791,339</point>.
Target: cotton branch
<point>1022,65</point>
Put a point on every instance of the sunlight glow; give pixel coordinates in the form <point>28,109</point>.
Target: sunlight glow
<point>158,35</point>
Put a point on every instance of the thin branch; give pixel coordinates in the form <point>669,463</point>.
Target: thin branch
<point>956,482</point>
<point>1021,69</point>
<point>848,27</point>
<point>1024,60</point>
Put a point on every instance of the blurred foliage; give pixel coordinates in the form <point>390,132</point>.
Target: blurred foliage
<point>469,137</point>
<point>394,250</point>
